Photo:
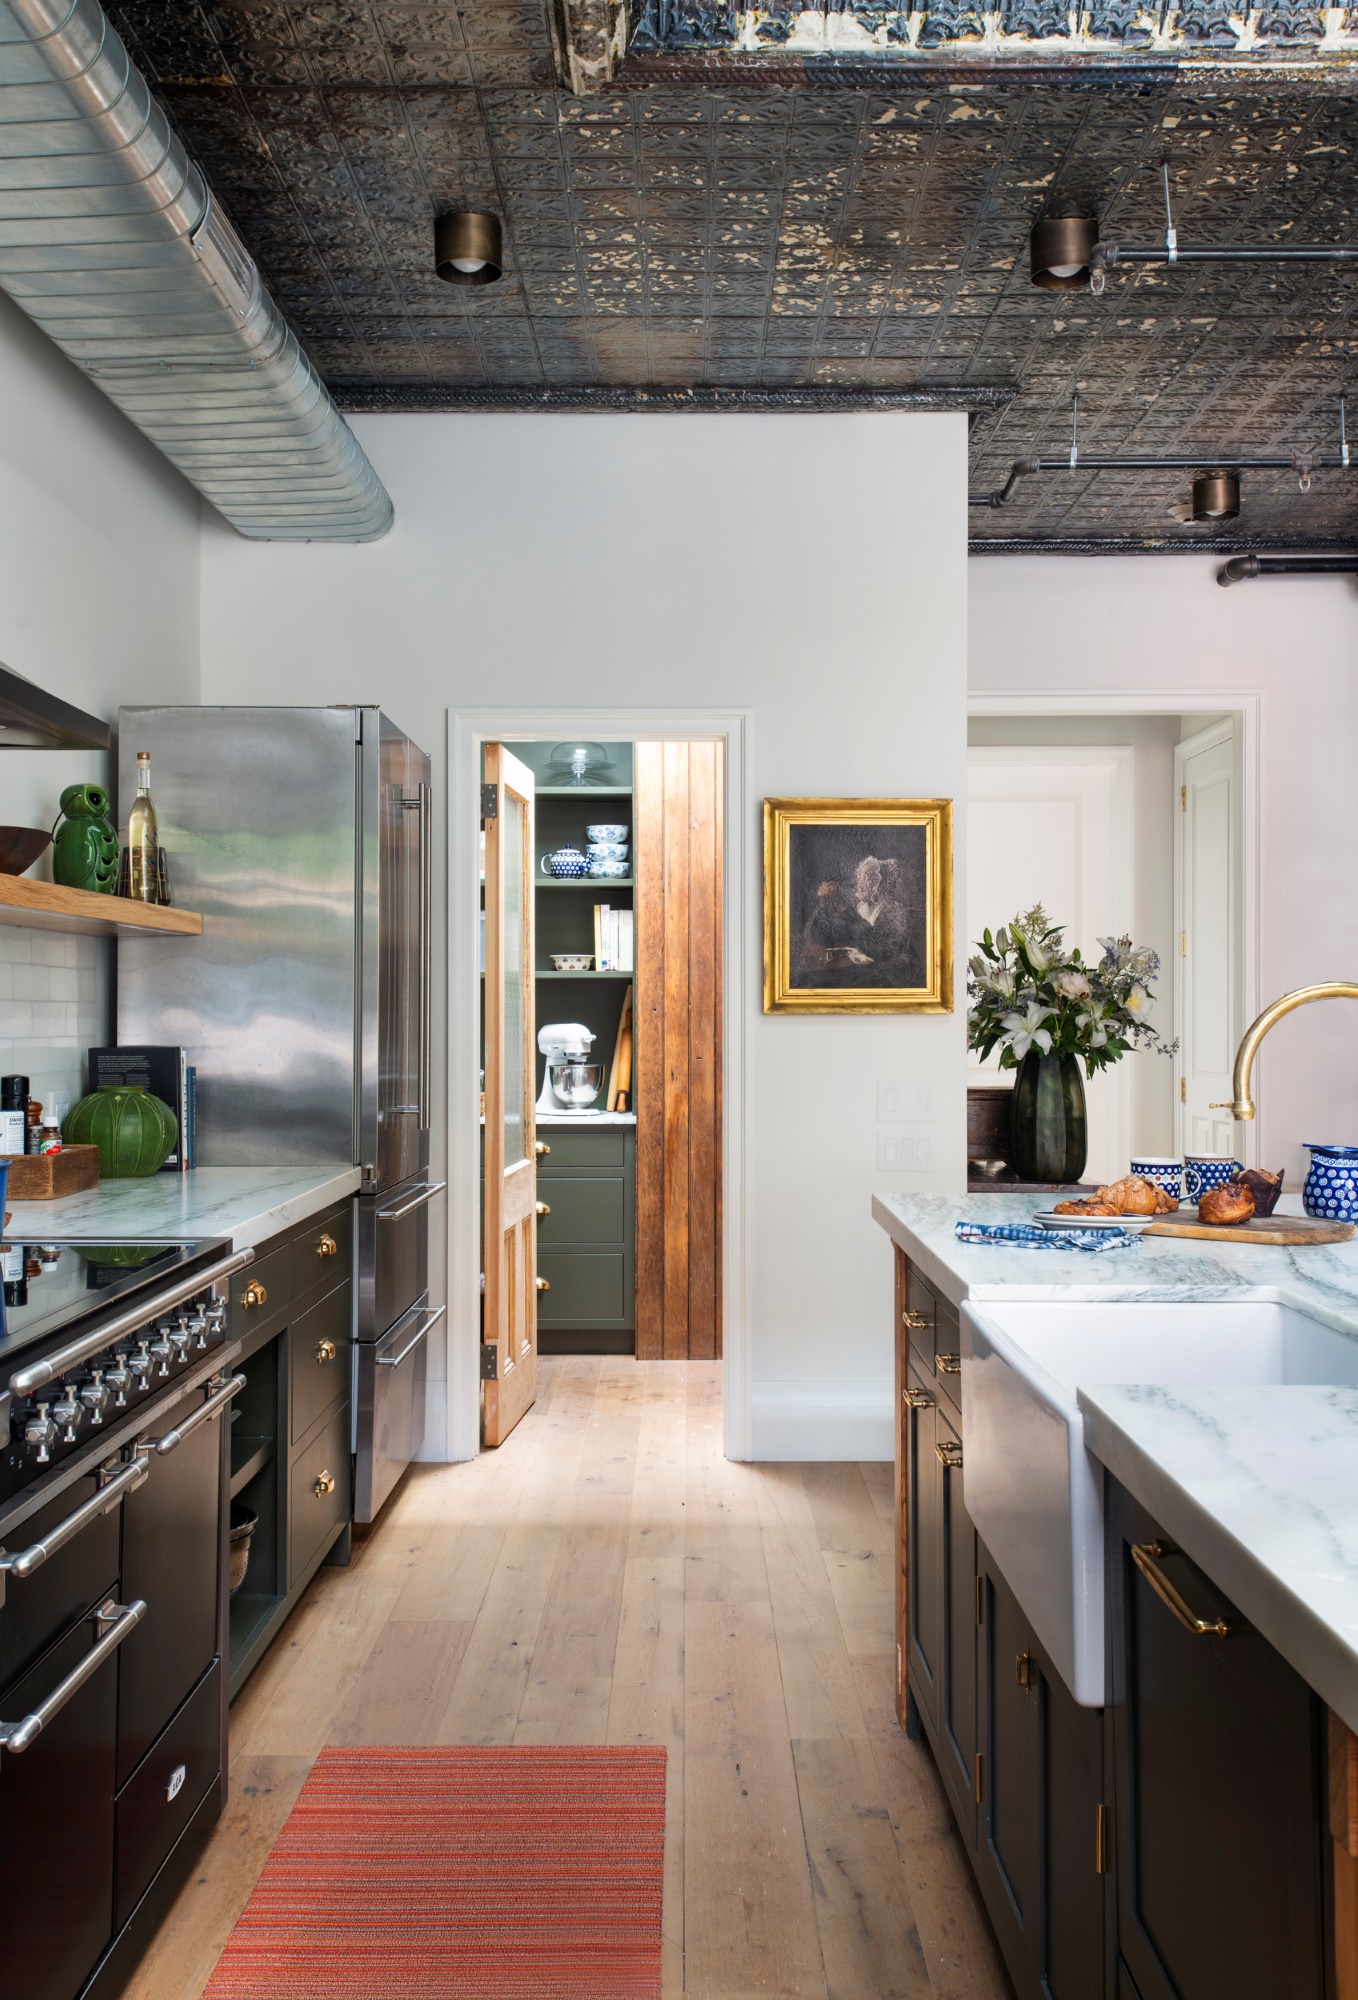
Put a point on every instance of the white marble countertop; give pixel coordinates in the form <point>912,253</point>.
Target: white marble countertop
<point>247,1204</point>
<point>560,1120</point>
<point>1258,1485</point>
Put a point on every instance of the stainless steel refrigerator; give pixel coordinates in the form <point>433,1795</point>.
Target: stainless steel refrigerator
<point>303,837</point>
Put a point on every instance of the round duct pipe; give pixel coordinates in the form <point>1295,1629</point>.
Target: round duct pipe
<point>467,247</point>
<point>1060,249</point>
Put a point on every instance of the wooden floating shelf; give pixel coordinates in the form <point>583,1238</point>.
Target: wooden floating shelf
<point>584,975</point>
<point>590,882</point>
<point>46,906</point>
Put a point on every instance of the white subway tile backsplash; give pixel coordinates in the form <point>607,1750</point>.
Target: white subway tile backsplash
<point>49,948</point>
<point>53,1006</point>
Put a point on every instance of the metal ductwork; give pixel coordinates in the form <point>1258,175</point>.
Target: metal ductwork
<point>1240,567</point>
<point>111,242</point>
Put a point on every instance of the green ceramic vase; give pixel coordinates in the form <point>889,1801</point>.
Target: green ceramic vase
<point>1051,1134</point>
<point>134,1131</point>
<point>85,850</point>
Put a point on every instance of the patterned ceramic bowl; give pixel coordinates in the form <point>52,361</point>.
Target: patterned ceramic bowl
<point>607,850</point>
<point>1207,1170</point>
<point>572,961</point>
<point>608,871</point>
<point>606,832</point>
<point>1331,1188</point>
<point>1161,1172</point>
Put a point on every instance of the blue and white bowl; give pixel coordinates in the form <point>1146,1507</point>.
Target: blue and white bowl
<point>1161,1172</point>
<point>1207,1170</point>
<point>608,871</point>
<point>606,832</point>
<point>607,850</point>
<point>1331,1189</point>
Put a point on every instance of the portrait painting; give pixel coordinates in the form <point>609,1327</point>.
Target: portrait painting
<point>858,906</point>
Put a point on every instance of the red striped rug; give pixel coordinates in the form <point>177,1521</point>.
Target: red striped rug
<point>460,1874</point>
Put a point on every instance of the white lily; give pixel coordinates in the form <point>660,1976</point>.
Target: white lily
<point>1025,1031</point>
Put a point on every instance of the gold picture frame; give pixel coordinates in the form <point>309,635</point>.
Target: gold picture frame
<point>858,906</point>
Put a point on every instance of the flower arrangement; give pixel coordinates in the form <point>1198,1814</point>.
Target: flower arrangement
<point>1026,991</point>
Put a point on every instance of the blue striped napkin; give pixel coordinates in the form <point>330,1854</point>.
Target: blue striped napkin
<point>1031,1237</point>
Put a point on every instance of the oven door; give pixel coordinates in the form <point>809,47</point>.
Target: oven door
<point>393,1253</point>
<point>389,1406</point>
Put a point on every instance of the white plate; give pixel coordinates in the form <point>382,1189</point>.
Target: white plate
<point>1048,1219</point>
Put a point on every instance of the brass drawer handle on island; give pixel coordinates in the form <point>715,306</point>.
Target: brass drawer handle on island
<point>1144,1555</point>
<point>948,1364</point>
<point>950,1454</point>
<point>327,1247</point>
<point>324,1485</point>
<point>916,1399</point>
<point>326,1350</point>
<point>917,1322</point>
<point>254,1295</point>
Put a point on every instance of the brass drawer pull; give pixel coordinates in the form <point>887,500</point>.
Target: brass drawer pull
<point>254,1295</point>
<point>1023,1669</point>
<point>543,1284</point>
<point>948,1364</point>
<point>326,1350</point>
<point>544,1208</point>
<point>325,1484</point>
<point>541,1148</point>
<point>916,1321</point>
<point>915,1399</point>
<point>949,1454</point>
<point>1144,1555</point>
<point>327,1247</point>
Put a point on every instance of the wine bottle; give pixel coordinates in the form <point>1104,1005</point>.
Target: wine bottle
<point>143,839</point>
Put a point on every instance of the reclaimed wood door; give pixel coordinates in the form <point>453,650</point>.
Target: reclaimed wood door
<point>509,1329</point>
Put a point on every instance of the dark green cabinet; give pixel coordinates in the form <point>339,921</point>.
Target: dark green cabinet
<point>587,1240</point>
<point>1221,1838</point>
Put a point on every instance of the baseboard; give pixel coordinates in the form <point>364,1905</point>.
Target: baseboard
<point>821,1420</point>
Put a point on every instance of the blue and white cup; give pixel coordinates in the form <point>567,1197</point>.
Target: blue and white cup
<point>1331,1189</point>
<point>1162,1172</point>
<point>607,830</point>
<point>1207,1170</point>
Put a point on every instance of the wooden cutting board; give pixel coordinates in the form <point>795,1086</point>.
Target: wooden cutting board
<point>1284,1229</point>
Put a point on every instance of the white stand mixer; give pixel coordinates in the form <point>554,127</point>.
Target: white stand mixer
<point>572,1081</point>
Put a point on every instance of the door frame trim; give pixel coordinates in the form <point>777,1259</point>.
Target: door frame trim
<point>468,730</point>
<point>1247,704</point>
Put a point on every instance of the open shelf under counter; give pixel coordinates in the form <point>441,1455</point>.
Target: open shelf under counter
<point>46,906</point>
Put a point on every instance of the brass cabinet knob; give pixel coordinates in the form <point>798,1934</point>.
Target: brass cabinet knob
<point>326,1350</point>
<point>325,1484</point>
<point>541,1148</point>
<point>948,1364</point>
<point>543,1208</point>
<point>917,1321</point>
<point>327,1247</point>
<point>254,1295</point>
<point>543,1284</point>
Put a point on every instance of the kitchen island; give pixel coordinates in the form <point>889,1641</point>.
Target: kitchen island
<point>1229,1517</point>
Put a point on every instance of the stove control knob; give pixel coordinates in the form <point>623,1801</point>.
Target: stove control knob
<point>94,1395</point>
<point>118,1378</point>
<point>140,1365</point>
<point>216,1315</point>
<point>68,1411</point>
<point>196,1325</point>
<point>40,1431</point>
<point>179,1340</point>
<point>162,1351</point>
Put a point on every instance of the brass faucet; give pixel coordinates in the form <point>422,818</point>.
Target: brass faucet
<point>1243,1104</point>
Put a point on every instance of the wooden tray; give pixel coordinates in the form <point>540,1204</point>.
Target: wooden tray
<point>47,1176</point>
<point>1286,1229</point>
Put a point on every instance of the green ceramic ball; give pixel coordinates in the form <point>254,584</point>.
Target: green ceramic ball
<point>134,1131</point>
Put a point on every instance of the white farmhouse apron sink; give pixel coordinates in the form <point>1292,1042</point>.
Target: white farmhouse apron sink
<point>1032,1489</point>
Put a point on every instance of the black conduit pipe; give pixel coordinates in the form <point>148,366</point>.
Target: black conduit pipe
<point>1241,567</point>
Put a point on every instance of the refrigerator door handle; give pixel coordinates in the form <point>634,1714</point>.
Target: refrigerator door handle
<point>426,960</point>
<point>416,1201</point>
<point>432,1316</point>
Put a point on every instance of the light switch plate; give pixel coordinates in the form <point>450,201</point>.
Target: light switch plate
<point>907,1099</point>
<point>904,1149</point>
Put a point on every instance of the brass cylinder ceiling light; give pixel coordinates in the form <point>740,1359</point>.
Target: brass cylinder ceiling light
<point>1216,496</point>
<point>467,247</point>
<point>1060,249</point>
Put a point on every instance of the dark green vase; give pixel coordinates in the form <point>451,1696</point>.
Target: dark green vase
<point>85,851</point>
<point>1051,1134</point>
<point>134,1131</point>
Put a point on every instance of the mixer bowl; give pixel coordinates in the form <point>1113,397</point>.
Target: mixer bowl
<point>577,1083</point>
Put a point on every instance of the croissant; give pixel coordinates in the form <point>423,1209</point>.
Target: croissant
<point>1222,1206</point>
<point>1165,1204</point>
<point>1085,1208</point>
<point>1131,1196</point>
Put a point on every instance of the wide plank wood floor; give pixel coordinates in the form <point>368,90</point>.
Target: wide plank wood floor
<point>608,1577</point>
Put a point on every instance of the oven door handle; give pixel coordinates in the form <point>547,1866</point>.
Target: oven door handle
<point>416,1201</point>
<point>432,1316</point>
<point>119,1620</point>
<point>221,1394</point>
<point>25,1380</point>
<point>23,1562</point>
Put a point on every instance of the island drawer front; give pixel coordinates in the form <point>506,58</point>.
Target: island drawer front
<point>587,1210</point>
<point>316,1267</point>
<point>933,1329</point>
<point>271,1275</point>
<point>572,1150</point>
<point>166,1789</point>
<point>319,1347</point>
<point>313,1515</point>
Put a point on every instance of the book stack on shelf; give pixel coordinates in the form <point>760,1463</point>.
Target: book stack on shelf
<point>614,939</point>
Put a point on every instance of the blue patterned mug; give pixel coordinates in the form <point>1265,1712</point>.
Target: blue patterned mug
<point>1331,1188</point>
<point>1207,1170</point>
<point>1161,1172</point>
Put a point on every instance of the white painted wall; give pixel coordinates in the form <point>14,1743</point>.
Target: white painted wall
<point>1160,625</point>
<point>98,604</point>
<point>808,569</point>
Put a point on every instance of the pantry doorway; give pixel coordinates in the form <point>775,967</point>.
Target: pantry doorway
<point>638,915</point>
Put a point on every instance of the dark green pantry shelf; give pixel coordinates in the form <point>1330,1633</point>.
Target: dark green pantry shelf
<point>582,975</point>
<point>595,882</point>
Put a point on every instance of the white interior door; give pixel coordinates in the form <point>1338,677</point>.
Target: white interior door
<point>1207,1015</point>
<point>1054,826</point>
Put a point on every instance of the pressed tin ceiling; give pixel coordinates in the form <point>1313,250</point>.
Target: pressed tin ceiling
<point>740,220</point>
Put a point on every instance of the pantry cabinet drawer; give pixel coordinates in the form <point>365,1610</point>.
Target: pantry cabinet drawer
<point>318,1492</point>
<point>588,1288</point>
<point>319,1348</point>
<point>586,1210</point>
<point>572,1149</point>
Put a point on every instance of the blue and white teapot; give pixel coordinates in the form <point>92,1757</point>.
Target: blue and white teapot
<point>565,863</point>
